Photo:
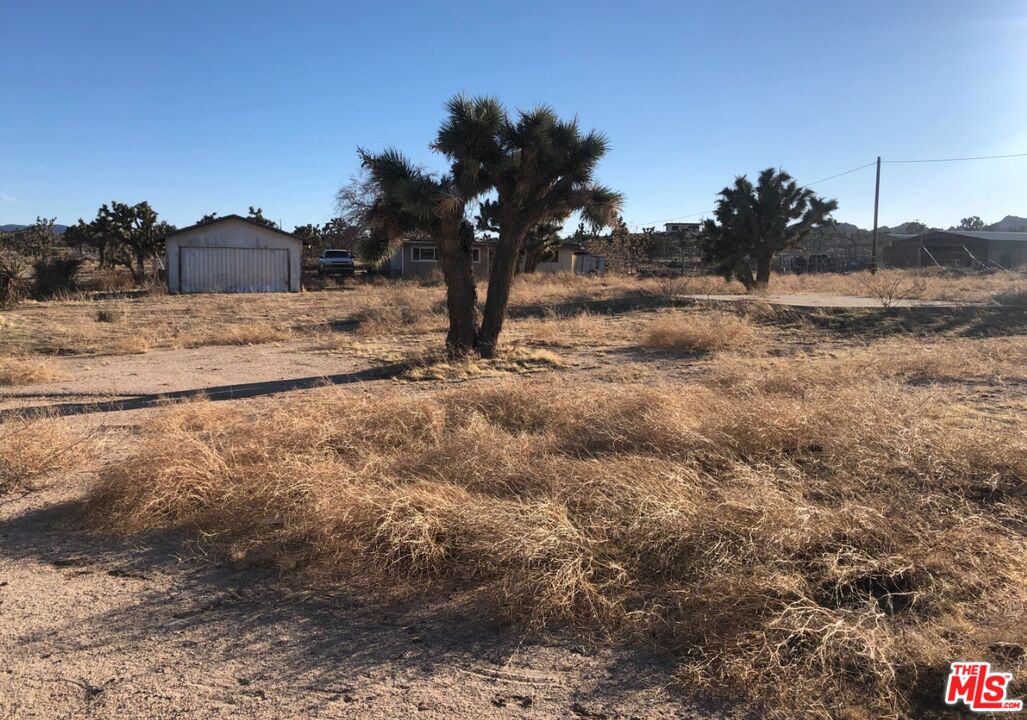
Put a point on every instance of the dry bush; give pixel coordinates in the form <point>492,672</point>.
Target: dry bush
<point>823,555</point>
<point>571,330</point>
<point>894,289</point>
<point>14,283</point>
<point>34,450</point>
<point>700,333</point>
<point>107,280</point>
<point>398,308</point>
<point>27,370</point>
<point>931,283</point>
<point>518,360</point>
<point>110,315</point>
<point>990,360</point>
<point>251,333</point>
<point>1013,298</point>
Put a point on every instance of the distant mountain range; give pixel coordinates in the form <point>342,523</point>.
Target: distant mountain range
<point>1010,223</point>
<point>59,229</point>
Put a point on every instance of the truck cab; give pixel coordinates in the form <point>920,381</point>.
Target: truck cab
<point>335,262</point>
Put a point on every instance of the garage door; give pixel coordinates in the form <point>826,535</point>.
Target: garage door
<point>214,269</point>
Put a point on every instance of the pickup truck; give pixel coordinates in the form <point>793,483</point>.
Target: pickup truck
<point>335,262</point>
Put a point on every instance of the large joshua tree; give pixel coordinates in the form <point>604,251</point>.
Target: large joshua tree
<point>540,167</point>
<point>754,222</point>
<point>411,201</point>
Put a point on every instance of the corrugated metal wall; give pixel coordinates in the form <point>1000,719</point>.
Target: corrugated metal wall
<point>233,269</point>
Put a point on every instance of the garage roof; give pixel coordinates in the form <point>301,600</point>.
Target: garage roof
<point>235,217</point>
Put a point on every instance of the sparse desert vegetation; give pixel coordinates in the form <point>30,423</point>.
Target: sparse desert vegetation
<point>37,450</point>
<point>378,308</point>
<point>701,333</point>
<point>805,547</point>
<point>810,512</point>
<point>26,370</point>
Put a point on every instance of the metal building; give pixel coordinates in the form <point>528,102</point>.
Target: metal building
<point>959,248</point>
<point>233,254</point>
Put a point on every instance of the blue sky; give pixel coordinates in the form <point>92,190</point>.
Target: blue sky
<point>215,106</point>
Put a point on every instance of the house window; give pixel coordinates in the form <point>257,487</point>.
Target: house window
<point>476,255</point>
<point>550,257</point>
<point>424,253</point>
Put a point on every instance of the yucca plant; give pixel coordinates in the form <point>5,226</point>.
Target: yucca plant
<point>541,169</point>
<point>754,222</point>
<point>412,201</point>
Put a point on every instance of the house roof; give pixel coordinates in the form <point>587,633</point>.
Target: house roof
<point>429,241</point>
<point>971,234</point>
<point>234,217</point>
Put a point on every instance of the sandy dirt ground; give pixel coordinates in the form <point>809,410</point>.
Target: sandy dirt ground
<point>160,372</point>
<point>99,627</point>
<point>833,301</point>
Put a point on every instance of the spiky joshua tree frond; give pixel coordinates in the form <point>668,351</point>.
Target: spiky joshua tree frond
<point>752,223</point>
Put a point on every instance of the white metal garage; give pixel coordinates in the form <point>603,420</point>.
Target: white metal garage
<point>233,254</point>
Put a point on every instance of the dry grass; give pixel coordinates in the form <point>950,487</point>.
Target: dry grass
<point>388,308</point>
<point>696,333</point>
<point>922,284</point>
<point>27,370</point>
<point>1013,298</point>
<point>35,450</point>
<point>990,360</point>
<point>825,554</point>
<point>578,329</point>
<point>254,333</point>
<point>513,360</point>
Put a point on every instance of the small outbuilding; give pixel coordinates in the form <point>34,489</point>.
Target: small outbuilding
<point>233,254</point>
<point>571,257</point>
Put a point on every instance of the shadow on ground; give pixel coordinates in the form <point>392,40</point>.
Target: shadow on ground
<point>878,323</point>
<point>238,391</point>
<point>237,636</point>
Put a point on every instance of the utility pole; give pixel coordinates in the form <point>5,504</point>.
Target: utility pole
<point>877,199</point>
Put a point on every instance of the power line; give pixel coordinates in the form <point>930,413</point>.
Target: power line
<point>847,172</point>
<point>679,217</point>
<point>958,159</point>
<point>710,212</point>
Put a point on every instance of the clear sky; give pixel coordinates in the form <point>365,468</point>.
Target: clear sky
<point>214,106</point>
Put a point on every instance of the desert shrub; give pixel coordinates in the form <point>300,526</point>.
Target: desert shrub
<point>1013,298</point>
<point>399,307</point>
<point>894,288</point>
<point>54,275</point>
<point>107,280</point>
<point>12,280</point>
<point>822,555</point>
<point>109,315</point>
<point>35,450</point>
<point>700,333</point>
<point>26,370</point>
<point>251,333</point>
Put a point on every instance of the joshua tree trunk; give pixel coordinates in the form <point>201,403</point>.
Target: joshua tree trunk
<point>511,238</point>
<point>461,293</point>
<point>743,271</point>
<point>763,271</point>
<point>140,267</point>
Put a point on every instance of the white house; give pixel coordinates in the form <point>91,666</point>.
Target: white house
<point>233,254</point>
<point>571,257</point>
